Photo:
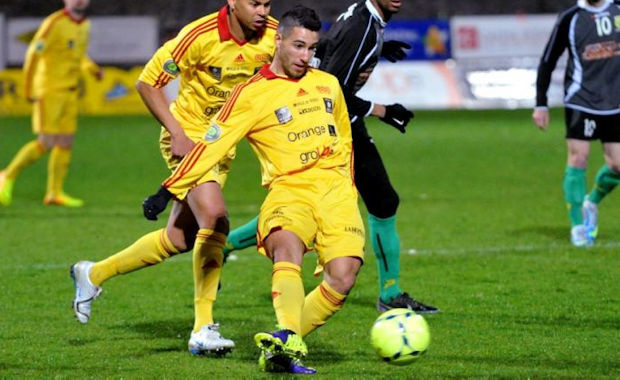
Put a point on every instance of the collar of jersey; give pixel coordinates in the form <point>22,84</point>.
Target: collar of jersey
<point>584,4</point>
<point>375,13</point>
<point>268,74</point>
<point>75,20</point>
<point>224,29</point>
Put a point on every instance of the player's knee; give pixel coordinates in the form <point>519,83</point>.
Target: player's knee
<point>578,160</point>
<point>384,206</point>
<point>343,283</point>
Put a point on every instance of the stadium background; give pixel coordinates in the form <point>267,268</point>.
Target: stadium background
<point>456,62</point>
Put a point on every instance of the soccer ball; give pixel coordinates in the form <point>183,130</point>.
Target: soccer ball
<point>400,336</point>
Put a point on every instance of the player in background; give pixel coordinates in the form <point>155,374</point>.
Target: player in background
<point>295,118</point>
<point>350,51</point>
<point>55,59</point>
<point>590,31</point>
<point>209,56</point>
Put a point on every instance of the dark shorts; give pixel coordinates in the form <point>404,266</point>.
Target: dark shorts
<point>586,126</point>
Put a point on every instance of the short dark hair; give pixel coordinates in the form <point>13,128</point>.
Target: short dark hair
<point>299,16</point>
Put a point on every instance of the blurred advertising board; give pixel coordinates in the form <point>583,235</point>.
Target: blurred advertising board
<point>416,85</point>
<point>114,95</point>
<point>122,40</point>
<point>3,40</point>
<point>500,36</point>
<point>429,39</point>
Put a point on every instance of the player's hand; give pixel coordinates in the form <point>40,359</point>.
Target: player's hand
<point>394,50</point>
<point>540,116</point>
<point>180,144</point>
<point>155,204</point>
<point>397,116</point>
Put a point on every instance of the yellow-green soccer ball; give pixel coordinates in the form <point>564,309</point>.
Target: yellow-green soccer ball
<point>400,336</point>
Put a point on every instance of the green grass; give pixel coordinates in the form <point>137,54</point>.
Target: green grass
<point>481,204</point>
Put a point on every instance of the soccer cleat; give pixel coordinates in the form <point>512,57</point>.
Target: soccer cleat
<point>579,236</point>
<point>209,341</point>
<point>85,291</point>
<point>590,218</point>
<point>282,342</point>
<point>63,200</point>
<point>6,189</point>
<point>282,364</point>
<point>404,301</point>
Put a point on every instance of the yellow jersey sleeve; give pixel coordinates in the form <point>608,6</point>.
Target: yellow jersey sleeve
<point>230,125</point>
<point>36,48</point>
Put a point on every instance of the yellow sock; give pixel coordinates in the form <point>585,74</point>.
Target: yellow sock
<point>57,168</point>
<point>287,293</point>
<point>208,260</point>
<point>28,154</point>
<point>320,304</point>
<point>150,249</point>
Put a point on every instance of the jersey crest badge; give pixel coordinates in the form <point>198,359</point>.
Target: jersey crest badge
<point>213,133</point>
<point>284,115</point>
<point>216,72</point>
<point>329,105</point>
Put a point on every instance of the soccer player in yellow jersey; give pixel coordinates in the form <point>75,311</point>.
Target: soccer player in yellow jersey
<point>209,56</point>
<point>296,120</point>
<point>54,61</point>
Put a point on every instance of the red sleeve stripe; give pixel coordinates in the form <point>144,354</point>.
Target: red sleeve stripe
<point>210,21</point>
<point>187,41</point>
<point>187,164</point>
<point>164,82</point>
<point>53,20</point>
<point>159,79</point>
<point>228,106</point>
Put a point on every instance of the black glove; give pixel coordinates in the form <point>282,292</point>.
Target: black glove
<point>394,50</point>
<point>397,116</point>
<point>155,204</point>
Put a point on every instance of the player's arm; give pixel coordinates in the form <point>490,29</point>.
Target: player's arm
<point>88,65</point>
<point>160,69</point>
<point>36,48</point>
<point>558,41</point>
<point>234,120</point>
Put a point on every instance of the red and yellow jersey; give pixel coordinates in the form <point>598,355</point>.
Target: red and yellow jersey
<point>209,62</point>
<point>57,55</point>
<point>293,126</point>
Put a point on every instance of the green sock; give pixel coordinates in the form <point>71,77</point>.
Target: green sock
<point>386,244</point>
<point>606,180</point>
<point>574,192</point>
<point>241,237</point>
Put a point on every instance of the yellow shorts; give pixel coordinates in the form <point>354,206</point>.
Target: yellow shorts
<point>55,113</point>
<point>320,208</point>
<point>219,173</point>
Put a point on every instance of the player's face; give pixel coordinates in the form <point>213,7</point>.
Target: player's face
<point>388,7</point>
<point>77,6</point>
<point>295,50</point>
<point>252,14</point>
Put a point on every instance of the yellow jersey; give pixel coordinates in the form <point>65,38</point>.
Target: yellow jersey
<point>209,62</point>
<point>293,126</point>
<point>57,55</point>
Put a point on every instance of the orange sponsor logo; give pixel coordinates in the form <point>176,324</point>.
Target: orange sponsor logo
<point>324,90</point>
<point>262,57</point>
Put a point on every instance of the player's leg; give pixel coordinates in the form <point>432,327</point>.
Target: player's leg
<point>150,249</point>
<point>607,178</point>
<point>26,156</point>
<point>64,126</point>
<point>241,237</point>
<point>381,201</point>
<point>287,227</point>
<point>579,130</point>
<point>207,203</point>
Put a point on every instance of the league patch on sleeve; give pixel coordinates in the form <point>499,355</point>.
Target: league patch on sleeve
<point>213,133</point>
<point>39,46</point>
<point>171,68</point>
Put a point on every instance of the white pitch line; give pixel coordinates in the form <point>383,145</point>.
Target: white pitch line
<point>410,251</point>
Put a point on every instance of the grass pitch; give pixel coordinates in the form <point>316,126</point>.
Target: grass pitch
<point>484,237</point>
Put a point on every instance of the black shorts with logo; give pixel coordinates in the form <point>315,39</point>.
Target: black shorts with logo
<point>586,126</point>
